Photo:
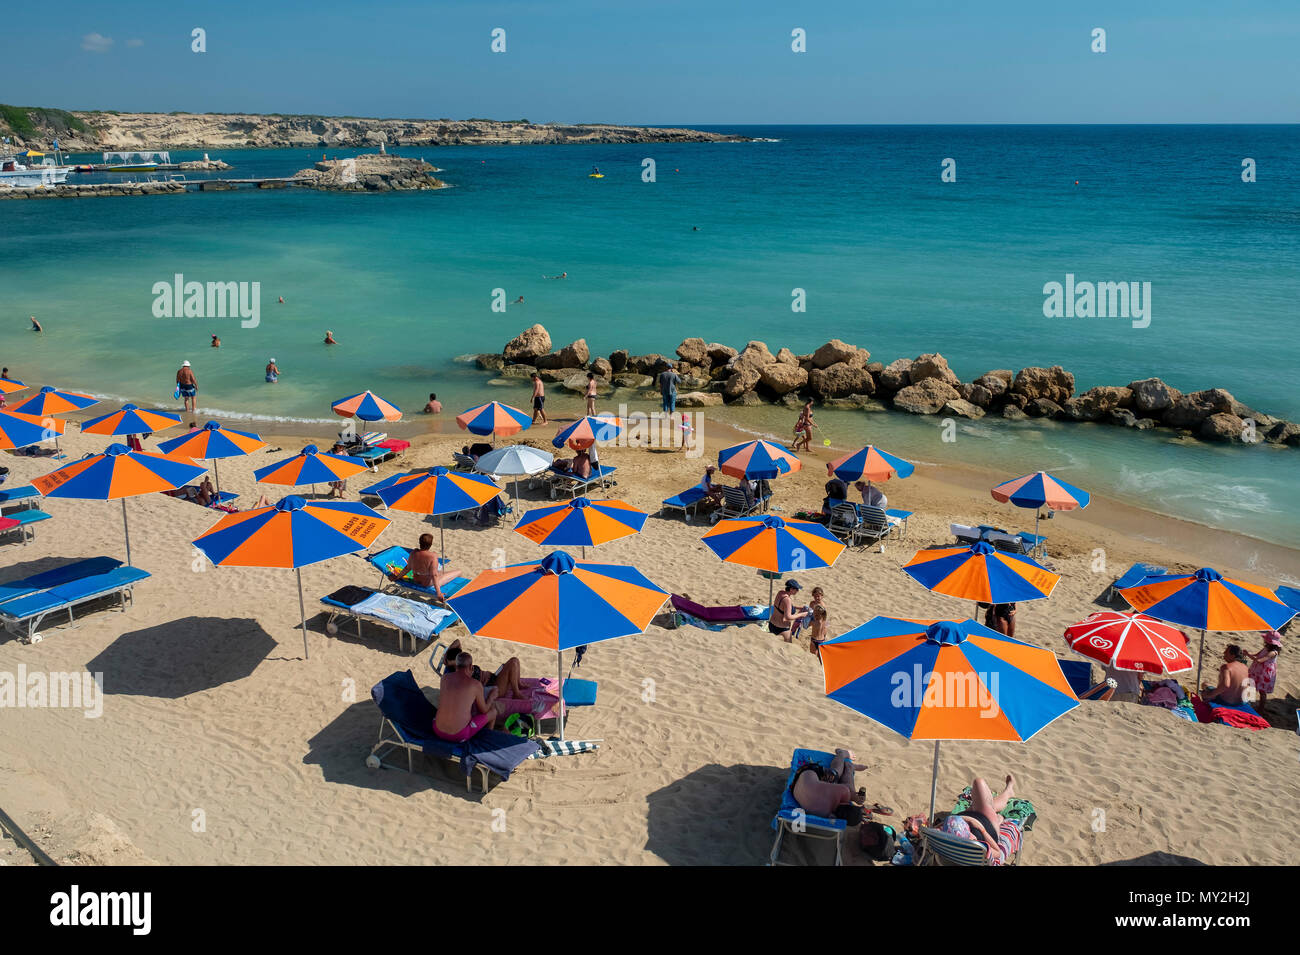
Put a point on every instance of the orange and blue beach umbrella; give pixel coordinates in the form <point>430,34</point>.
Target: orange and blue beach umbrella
<point>367,406</point>
<point>293,533</point>
<point>130,420</point>
<point>587,430</point>
<point>758,460</point>
<point>557,603</point>
<point>21,430</point>
<point>212,441</point>
<point>1208,601</point>
<point>871,463</point>
<point>980,572</point>
<point>310,466</point>
<point>774,545</point>
<point>9,385</point>
<point>51,401</point>
<point>438,491</point>
<point>117,473</point>
<point>1041,489</point>
<point>945,680</point>
<point>494,418</point>
<point>581,522</point>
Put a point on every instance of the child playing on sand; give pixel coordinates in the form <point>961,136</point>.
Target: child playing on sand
<point>1263,666</point>
<point>803,428</point>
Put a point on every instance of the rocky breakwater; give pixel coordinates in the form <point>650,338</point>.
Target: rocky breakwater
<point>841,375</point>
<point>376,172</point>
<point>94,191</point>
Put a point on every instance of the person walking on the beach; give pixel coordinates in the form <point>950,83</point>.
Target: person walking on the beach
<point>188,385</point>
<point>539,398</point>
<point>272,371</point>
<point>36,326</point>
<point>803,428</point>
<point>668,382</point>
<point>591,393</point>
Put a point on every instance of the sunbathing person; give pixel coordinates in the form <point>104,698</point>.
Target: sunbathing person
<point>830,792</point>
<point>984,823</point>
<point>1232,677</point>
<point>503,685</point>
<point>582,465</point>
<point>424,567</point>
<point>462,710</point>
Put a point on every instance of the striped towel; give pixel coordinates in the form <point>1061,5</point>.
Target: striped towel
<point>565,747</point>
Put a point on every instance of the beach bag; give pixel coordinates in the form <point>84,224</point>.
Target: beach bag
<point>177,393</point>
<point>877,840</point>
<point>521,724</point>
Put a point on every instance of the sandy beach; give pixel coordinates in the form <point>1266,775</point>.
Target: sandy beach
<point>219,744</point>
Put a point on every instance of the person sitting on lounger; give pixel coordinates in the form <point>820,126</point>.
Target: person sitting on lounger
<point>830,792</point>
<point>984,823</point>
<point>872,496</point>
<point>1232,677</point>
<point>502,685</point>
<point>712,492</point>
<point>582,465</point>
<point>837,492</point>
<point>424,567</point>
<point>463,712</point>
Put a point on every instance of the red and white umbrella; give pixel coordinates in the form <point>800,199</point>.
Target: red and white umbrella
<point>1130,641</point>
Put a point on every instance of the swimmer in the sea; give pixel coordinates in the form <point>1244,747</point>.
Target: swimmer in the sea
<point>36,326</point>
<point>216,342</point>
<point>562,275</point>
<point>272,372</point>
<point>329,337</point>
<point>281,299</point>
<point>519,301</point>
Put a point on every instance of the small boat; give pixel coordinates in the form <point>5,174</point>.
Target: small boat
<point>134,161</point>
<point>596,175</point>
<point>14,173</point>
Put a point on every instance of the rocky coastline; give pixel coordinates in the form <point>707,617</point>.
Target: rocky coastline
<point>840,375</point>
<point>376,172</point>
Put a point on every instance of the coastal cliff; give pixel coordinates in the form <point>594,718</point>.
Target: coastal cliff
<point>82,131</point>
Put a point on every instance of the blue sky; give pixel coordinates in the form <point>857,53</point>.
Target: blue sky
<point>664,61</point>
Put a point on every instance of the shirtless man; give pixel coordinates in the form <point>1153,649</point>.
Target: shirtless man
<point>784,616</point>
<point>539,398</point>
<point>188,385</point>
<point>831,792</point>
<point>462,709</point>
<point>424,567</point>
<point>1232,677</point>
<point>329,337</point>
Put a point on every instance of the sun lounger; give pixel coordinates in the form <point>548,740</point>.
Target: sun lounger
<point>690,614</point>
<point>577,693</point>
<point>463,461</point>
<point>569,483</point>
<point>376,454</point>
<point>28,603</point>
<point>23,522</point>
<point>396,557</point>
<point>374,489</point>
<point>410,618</point>
<point>688,500</point>
<point>1020,543</point>
<point>1078,673</point>
<point>407,723</point>
<point>790,818</point>
<point>26,494</point>
<point>1132,577</point>
<point>734,504</point>
<point>898,521</point>
<point>941,848</point>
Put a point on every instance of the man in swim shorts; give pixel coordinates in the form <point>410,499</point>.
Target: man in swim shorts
<point>188,385</point>
<point>539,398</point>
<point>462,710</point>
<point>272,371</point>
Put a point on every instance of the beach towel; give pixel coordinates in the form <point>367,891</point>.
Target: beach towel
<point>1020,811</point>
<point>499,752</point>
<point>1240,715</point>
<point>418,619</point>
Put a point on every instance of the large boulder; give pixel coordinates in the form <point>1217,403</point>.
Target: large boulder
<point>1121,417</point>
<point>529,344</point>
<point>559,374</point>
<point>650,364</point>
<point>749,398</point>
<point>699,399</point>
<point>787,357</point>
<point>746,369</point>
<point>976,394</point>
<point>489,362</point>
<point>1096,403</point>
<point>962,408</point>
<point>720,354</point>
<point>926,397</point>
<point>578,383</point>
<point>1262,421</point>
<point>1191,410</point>
<point>630,379</point>
<point>575,355</point>
<point>841,380</point>
<point>550,360</point>
<point>694,351</point>
<point>994,383</point>
<point>896,375</point>
<point>1055,384</point>
<point>518,371</point>
<point>1284,432</point>
<point>618,360</point>
<point>1013,413</point>
<point>1221,427</point>
<point>1151,395</point>
<point>602,368</point>
<point>933,365</point>
<point>836,351</point>
<point>781,378</point>
<point>1044,408</point>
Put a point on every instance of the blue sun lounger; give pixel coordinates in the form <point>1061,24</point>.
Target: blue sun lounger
<point>398,556</point>
<point>572,484</point>
<point>23,522</point>
<point>26,604</point>
<point>410,618</point>
<point>1132,577</point>
<point>407,723</point>
<point>689,499</point>
<point>27,495</point>
<point>790,818</point>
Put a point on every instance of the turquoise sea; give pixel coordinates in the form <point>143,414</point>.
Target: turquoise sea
<point>889,257</point>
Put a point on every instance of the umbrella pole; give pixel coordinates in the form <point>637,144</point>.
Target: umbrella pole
<point>302,609</point>
<point>1038,541</point>
<point>126,529</point>
<point>216,474</point>
<point>934,782</point>
<point>1200,658</point>
<point>771,584</point>
<point>442,537</point>
<point>559,672</point>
